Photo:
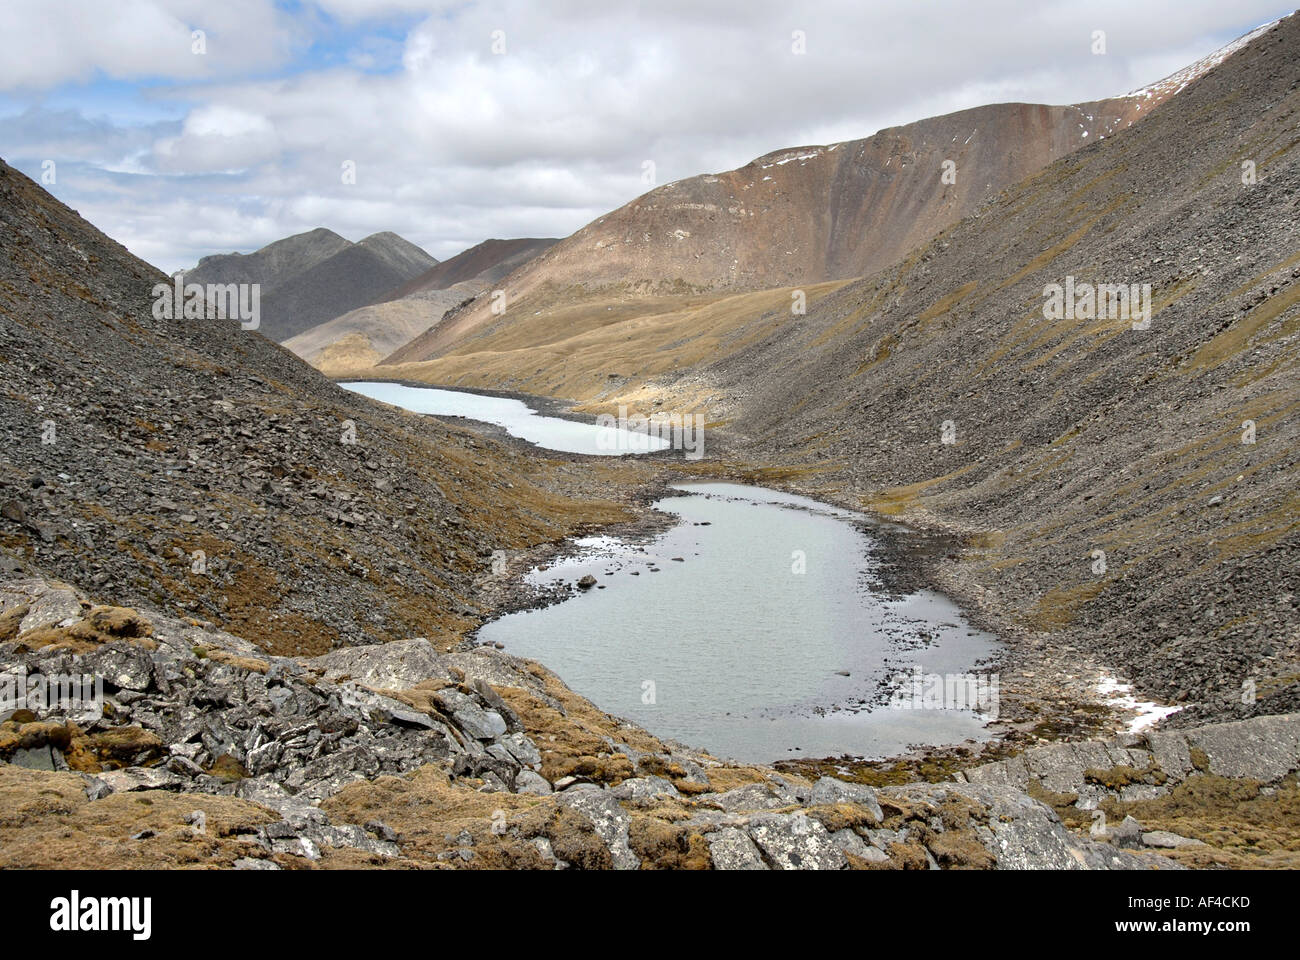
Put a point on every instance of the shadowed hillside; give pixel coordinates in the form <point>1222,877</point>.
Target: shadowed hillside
<point>274,262</point>
<point>313,277</point>
<point>1172,449</point>
<point>489,260</point>
<point>141,446</point>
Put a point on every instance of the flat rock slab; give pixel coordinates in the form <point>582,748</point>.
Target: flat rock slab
<point>795,842</point>
<point>51,607</point>
<point>397,665</point>
<point>1024,834</point>
<point>1261,748</point>
<point>828,790</point>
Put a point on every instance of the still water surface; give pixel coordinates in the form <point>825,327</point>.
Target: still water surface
<point>730,650</point>
<point>518,419</point>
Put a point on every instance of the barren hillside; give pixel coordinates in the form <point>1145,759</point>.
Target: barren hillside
<point>796,216</point>
<point>145,445</point>
<point>489,260</point>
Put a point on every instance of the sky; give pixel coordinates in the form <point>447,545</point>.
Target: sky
<point>183,128</point>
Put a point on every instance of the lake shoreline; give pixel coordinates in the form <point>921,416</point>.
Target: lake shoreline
<point>822,687</point>
<point>545,407</point>
<point>1041,702</point>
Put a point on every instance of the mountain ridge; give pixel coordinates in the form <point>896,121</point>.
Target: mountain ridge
<point>311,277</point>
<point>360,338</point>
<point>861,206</point>
<point>853,208</point>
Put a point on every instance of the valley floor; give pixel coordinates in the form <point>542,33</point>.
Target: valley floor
<point>411,754</point>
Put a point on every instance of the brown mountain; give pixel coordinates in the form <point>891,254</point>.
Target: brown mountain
<point>801,215</point>
<point>794,217</point>
<point>489,260</point>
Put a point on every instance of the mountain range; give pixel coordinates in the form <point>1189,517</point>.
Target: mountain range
<point>803,215</point>
<point>312,277</point>
<point>362,337</point>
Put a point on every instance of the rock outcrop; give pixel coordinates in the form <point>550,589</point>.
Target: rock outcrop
<point>318,746</point>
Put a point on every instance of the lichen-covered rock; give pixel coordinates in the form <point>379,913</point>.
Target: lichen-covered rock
<point>384,666</point>
<point>795,842</point>
<point>731,849</point>
<point>609,820</point>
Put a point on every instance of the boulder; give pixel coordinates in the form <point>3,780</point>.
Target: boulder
<point>398,665</point>
<point>731,849</point>
<point>609,820</point>
<point>795,842</point>
<point>829,790</point>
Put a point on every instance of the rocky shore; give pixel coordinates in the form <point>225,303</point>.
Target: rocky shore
<point>205,750</point>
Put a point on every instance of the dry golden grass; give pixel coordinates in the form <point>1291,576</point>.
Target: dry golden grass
<point>604,349</point>
<point>101,625</point>
<point>352,352</point>
<point>45,820</point>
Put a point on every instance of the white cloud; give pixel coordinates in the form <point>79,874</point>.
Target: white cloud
<point>48,42</point>
<point>218,138</point>
<point>455,143</point>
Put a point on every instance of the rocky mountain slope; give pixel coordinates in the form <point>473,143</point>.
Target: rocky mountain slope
<point>360,338</point>
<point>1129,494</point>
<point>203,469</point>
<point>797,216</point>
<point>313,277</point>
